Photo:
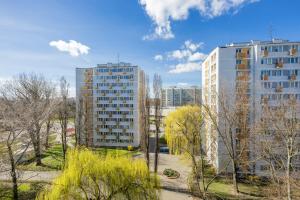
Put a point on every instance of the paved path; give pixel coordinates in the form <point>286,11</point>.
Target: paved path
<point>173,189</point>
<point>46,176</point>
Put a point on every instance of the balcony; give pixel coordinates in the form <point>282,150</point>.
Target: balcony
<point>265,53</point>
<point>242,78</point>
<point>279,65</point>
<point>278,89</point>
<point>293,77</point>
<point>242,66</point>
<point>265,77</point>
<point>241,55</point>
<point>293,52</point>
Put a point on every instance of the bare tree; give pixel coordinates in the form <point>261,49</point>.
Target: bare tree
<point>145,112</point>
<point>157,90</point>
<point>12,129</point>
<point>278,143</point>
<point>63,113</point>
<point>36,95</point>
<point>49,125</point>
<point>231,123</point>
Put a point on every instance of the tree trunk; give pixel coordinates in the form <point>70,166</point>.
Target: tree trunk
<point>38,154</point>
<point>147,150</point>
<point>48,127</point>
<point>13,173</point>
<point>156,151</point>
<point>234,177</point>
<point>288,182</point>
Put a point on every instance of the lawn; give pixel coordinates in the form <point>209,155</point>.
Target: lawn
<point>26,190</point>
<point>223,190</point>
<point>52,158</point>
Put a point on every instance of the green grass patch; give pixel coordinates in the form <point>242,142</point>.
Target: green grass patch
<point>224,190</point>
<point>52,159</point>
<point>115,152</point>
<point>26,191</point>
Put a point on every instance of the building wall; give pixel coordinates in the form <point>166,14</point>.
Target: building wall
<point>227,66</point>
<point>114,98</point>
<point>179,96</point>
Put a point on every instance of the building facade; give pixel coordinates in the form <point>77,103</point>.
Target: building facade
<point>270,69</point>
<point>179,96</point>
<point>108,102</point>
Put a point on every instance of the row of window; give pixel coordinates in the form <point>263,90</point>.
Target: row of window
<point>115,112</point>
<point>283,84</point>
<point>287,60</point>
<point>279,72</point>
<point>125,69</point>
<point>280,48</point>
<point>115,133</point>
<point>114,98</point>
<point>115,119</point>
<point>115,77</point>
<point>114,84</point>
<point>115,126</point>
<point>280,96</point>
<point>115,91</point>
<point>114,105</point>
<point>114,141</point>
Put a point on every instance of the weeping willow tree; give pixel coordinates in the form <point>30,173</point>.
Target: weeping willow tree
<point>183,135</point>
<point>89,176</point>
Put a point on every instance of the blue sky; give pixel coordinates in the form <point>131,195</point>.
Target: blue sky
<point>179,33</point>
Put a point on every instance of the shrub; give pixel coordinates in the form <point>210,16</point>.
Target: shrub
<point>130,148</point>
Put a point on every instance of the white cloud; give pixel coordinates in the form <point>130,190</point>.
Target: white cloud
<point>158,57</point>
<point>72,47</point>
<point>188,57</point>
<point>162,12</point>
<point>185,67</point>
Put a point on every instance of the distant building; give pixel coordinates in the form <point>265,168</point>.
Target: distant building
<point>179,96</point>
<point>110,95</point>
<point>271,72</point>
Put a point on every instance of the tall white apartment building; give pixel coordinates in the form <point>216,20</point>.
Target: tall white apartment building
<point>173,96</point>
<point>109,98</point>
<point>271,69</point>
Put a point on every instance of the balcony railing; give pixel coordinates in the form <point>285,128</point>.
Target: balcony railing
<point>278,89</point>
<point>293,52</point>
<point>279,65</point>
<point>293,77</point>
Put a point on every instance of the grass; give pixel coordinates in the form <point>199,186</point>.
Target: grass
<point>26,190</point>
<point>223,190</point>
<point>52,158</point>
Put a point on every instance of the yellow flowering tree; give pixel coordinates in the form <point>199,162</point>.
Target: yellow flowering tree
<point>90,176</point>
<point>183,129</point>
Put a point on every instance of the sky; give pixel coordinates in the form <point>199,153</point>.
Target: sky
<point>169,37</point>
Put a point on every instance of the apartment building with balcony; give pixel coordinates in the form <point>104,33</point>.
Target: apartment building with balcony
<point>174,96</point>
<point>108,98</point>
<point>270,69</point>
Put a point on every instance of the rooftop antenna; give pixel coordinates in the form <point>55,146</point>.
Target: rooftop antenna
<point>271,31</point>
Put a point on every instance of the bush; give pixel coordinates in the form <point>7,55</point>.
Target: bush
<point>130,148</point>
<point>170,173</point>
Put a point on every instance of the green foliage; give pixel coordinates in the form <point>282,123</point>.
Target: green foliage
<point>27,191</point>
<point>90,176</point>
